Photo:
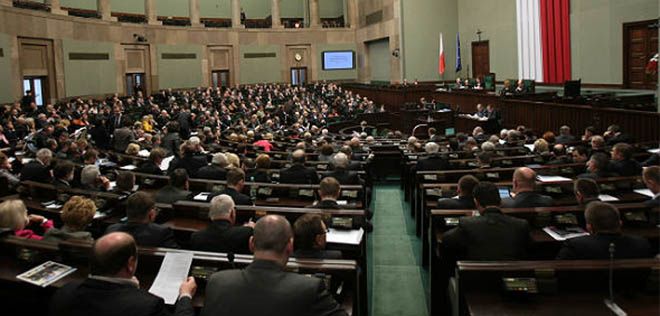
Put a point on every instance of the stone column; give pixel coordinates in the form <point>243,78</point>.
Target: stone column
<point>275,14</point>
<point>314,21</point>
<point>194,13</point>
<point>236,14</point>
<point>150,12</point>
<point>55,7</point>
<point>352,8</point>
<point>103,7</point>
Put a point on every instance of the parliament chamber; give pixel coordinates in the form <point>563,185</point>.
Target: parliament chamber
<point>329,157</point>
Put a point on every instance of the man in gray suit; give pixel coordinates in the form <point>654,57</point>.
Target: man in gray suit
<point>123,136</point>
<point>264,288</point>
<point>176,190</point>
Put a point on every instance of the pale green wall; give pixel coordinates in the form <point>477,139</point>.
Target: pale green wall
<point>336,74</point>
<point>171,7</point>
<point>291,9</point>
<point>256,9</point>
<point>257,70</point>
<point>597,36</point>
<point>179,73</point>
<point>89,77</point>
<point>5,70</point>
<point>379,60</point>
<point>128,6</point>
<point>423,20</point>
<point>79,4</point>
<point>215,8</point>
<point>497,21</point>
<point>331,8</point>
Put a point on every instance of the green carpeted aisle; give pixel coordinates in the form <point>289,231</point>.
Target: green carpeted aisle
<point>397,282</point>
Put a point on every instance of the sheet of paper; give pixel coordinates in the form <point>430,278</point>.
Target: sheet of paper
<point>348,237</point>
<point>342,202</point>
<point>143,153</point>
<point>560,235</point>
<point>165,164</point>
<point>202,196</point>
<point>607,198</point>
<point>654,150</point>
<point>128,167</point>
<point>530,147</point>
<point>646,192</point>
<point>113,185</point>
<point>173,271</point>
<point>552,178</point>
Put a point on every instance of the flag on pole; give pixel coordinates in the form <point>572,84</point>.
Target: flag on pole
<point>441,58</point>
<point>458,53</point>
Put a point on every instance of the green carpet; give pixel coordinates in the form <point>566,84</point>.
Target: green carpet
<point>396,278</point>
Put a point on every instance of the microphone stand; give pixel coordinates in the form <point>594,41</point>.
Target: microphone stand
<point>614,308</point>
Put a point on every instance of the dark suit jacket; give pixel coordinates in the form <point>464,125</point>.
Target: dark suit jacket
<point>212,172</point>
<point>35,171</point>
<point>299,174</point>
<point>171,143</point>
<point>492,236</point>
<point>564,139</point>
<point>462,203</point>
<point>257,175</point>
<point>597,247</point>
<point>169,194</point>
<point>432,162</point>
<point>527,199</point>
<point>121,138</point>
<point>327,204</point>
<point>233,292</point>
<point>344,176</point>
<point>149,167</point>
<point>625,168</point>
<point>596,175</point>
<point>191,163</point>
<point>104,298</point>
<point>149,235</point>
<point>238,197</point>
<point>221,236</point>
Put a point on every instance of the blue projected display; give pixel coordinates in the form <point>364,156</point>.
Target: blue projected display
<point>338,60</point>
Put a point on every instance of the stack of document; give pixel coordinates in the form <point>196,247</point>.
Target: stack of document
<point>646,192</point>
<point>552,178</point>
<point>347,237</point>
<point>566,233</point>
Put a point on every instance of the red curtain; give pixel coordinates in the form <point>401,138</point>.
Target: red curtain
<point>556,40</point>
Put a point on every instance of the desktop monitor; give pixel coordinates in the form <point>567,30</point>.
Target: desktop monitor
<point>450,131</point>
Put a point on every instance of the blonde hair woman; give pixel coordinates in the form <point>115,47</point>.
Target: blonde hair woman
<point>14,216</point>
<point>77,213</point>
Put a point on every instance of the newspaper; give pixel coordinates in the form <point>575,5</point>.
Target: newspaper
<point>46,273</point>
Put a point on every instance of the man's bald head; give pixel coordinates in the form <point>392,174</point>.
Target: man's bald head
<point>111,253</point>
<point>272,233</point>
<point>298,156</point>
<point>524,178</point>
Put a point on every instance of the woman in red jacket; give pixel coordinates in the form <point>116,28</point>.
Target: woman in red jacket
<point>13,215</point>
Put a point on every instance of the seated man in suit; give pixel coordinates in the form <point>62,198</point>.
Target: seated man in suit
<point>524,182</point>
<point>329,190</point>
<point>651,177</point>
<point>310,238</point>
<point>586,191</point>
<point>191,158</point>
<point>152,166</point>
<point>604,225</point>
<point>233,292</point>
<point>491,236</point>
<point>341,172</point>
<point>565,136</point>
<point>235,185</point>
<point>176,190</point>
<point>216,170</point>
<point>465,200</point>
<point>622,162</point>
<point>260,172</point>
<point>434,160</point>
<point>141,213</point>
<point>91,179</point>
<point>113,289</point>
<point>298,173</point>
<point>63,174</point>
<point>221,235</point>
<point>597,167</point>
<point>38,170</point>
<point>613,135</point>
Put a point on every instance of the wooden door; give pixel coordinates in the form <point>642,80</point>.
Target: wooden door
<point>36,60</point>
<point>480,59</point>
<point>640,43</point>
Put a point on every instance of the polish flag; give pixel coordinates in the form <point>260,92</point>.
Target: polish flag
<point>441,58</point>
